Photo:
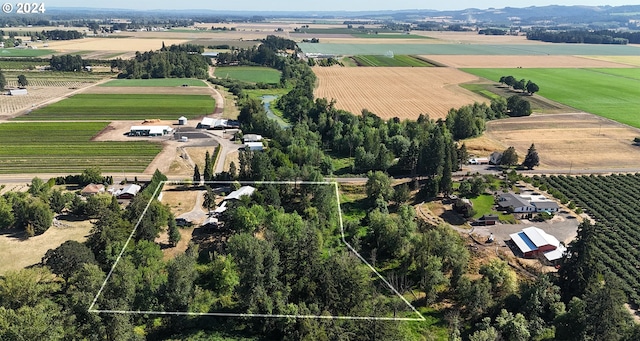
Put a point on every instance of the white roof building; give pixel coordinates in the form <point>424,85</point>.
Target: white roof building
<point>242,191</point>
<point>251,138</point>
<point>150,130</point>
<point>253,146</point>
<point>532,241</point>
<point>129,191</point>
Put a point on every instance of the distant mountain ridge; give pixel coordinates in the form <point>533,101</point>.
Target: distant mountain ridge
<point>532,14</point>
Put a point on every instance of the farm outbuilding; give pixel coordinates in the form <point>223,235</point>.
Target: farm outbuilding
<point>18,92</point>
<point>242,191</point>
<point>533,241</point>
<point>251,138</point>
<point>253,146</point>
<point>150,131</point>
<point>128,192</point>
<point>182,121</point>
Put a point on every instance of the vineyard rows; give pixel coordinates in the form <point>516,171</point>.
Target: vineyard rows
<point>613,202</point>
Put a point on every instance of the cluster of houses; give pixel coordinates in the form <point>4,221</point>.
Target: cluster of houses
<point>125,193</point>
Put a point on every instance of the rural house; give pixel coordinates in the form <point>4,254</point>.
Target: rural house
<point>515,203</point>
<point>494,158</point>
<point>92,189</point>
<point>533,241</point>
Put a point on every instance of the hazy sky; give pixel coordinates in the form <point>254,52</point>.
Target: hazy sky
<point>319,5</point>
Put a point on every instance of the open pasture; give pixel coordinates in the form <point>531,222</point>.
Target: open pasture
<point>160,82</point>
<point>25,253</point>
<point>13,52</point>
<point>397,60</point>
<point>251,74</point>
<point>396,92</point>
<point>67,147</point>
<point>574,142</point>
<point>124,107</point>
<point>376,48</point>
<point>488,61</point>
<point>111,44</point>
<point>600,92</point>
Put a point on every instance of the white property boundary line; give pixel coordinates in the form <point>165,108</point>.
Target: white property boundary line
<point>335,184</point>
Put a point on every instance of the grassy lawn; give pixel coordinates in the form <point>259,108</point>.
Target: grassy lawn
<point>124,107</point>
<point>483,205</point>
<point>397,60</point>
<point>480,90</point>
<point>66,148</point>
<point>161,82</point>
<point>610,93</point>
<point>251,74</point>
<point>24,53</point>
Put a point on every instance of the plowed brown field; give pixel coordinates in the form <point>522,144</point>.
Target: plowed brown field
<point>396,91</point>
<point>458,61</point>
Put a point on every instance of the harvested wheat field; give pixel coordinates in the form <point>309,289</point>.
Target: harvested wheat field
<point>113,44</point>
<point>462,61</point>
<point>577,141</point>
<point>628,60</point>
<point>396,91</point>
<point>475,38</point>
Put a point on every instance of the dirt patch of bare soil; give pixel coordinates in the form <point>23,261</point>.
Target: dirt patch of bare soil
<point>577,141</point>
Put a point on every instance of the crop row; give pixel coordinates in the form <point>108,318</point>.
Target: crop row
<point>67,147</point>
<point>613,201</point>
<point>124,107</point>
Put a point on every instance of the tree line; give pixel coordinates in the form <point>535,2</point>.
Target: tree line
<point>522,85</point>
<point>181,61</point>
<point>57,35</point>
<point>585,37</point>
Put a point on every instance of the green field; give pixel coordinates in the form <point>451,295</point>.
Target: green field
<point>480,89</point>
<point>24,53</point>
<point>66,148</point>
<point>397,60</point>
<point>389,36</point>
<point>470,49</point>
<point>612,93</point>
<point>160,82</point>
<point>19,64</point>
<point>251,74</point>
<point>124,107</point>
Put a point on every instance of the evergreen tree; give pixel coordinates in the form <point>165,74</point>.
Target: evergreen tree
<point>207,167</point>
<point>196,175</point>
<point>174,232</point>
<point>22,81</point>
<point>3,81</point>
<point>532,159</point>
